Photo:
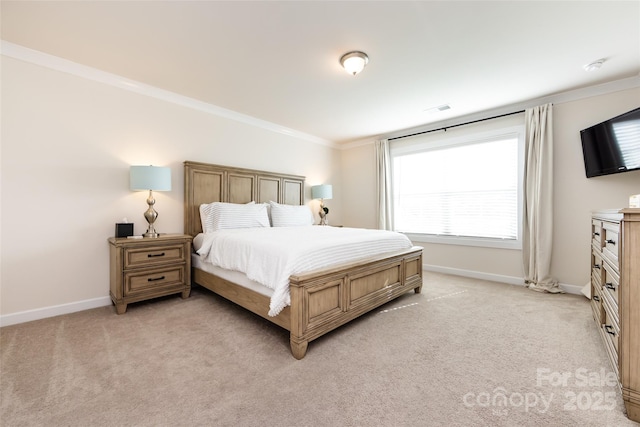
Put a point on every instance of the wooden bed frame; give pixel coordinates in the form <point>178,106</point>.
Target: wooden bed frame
<point>320,300</point>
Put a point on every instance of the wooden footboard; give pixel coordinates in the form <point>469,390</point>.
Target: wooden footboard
<point>322,301</point>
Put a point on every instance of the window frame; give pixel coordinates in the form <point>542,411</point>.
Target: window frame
<point>421,145</point>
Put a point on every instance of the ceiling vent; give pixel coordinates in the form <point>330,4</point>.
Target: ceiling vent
<point>439,108</point>
<point>594,65</point>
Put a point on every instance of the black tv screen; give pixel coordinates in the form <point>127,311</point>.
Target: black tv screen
<point>612,146</point>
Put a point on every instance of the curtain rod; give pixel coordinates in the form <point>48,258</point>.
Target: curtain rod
<point>459,124</point>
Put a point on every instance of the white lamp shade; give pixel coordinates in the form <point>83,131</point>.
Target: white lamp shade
<point>324,191</point>
<point>150,178</point>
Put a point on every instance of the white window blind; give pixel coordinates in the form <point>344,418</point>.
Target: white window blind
<point>459,189</point>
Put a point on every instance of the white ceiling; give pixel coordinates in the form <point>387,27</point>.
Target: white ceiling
<point>278,61</point>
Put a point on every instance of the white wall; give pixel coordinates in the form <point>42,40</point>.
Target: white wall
<point>67,144</point>
<point>575,197</point>
<point>358,187</point>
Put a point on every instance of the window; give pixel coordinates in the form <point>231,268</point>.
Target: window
<point>460,190</point>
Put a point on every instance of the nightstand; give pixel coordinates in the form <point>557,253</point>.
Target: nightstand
<point>146,268</point>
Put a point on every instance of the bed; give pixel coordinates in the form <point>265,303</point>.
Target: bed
<point>320,300</point>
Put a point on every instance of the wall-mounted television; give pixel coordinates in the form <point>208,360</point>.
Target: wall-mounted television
<point>612,146</point>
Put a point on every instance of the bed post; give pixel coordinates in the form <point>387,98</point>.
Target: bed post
<point>298,349</point>
<point>298,344</point>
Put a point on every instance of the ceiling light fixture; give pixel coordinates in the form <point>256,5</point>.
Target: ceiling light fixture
<point>594,65</point>
<point>354,62</point>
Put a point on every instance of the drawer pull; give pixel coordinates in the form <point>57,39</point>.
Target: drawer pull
<point>611,242</point>
<point>596,298</point>
<point>609,330</point>
<point>155,279</point>
<point>596,234</point>
<point>596,266</point>
<point>155,255</point>
<point>610,286</point>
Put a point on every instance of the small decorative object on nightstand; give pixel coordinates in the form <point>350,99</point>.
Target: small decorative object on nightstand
<point>322,192</point>
<point>147,268</point>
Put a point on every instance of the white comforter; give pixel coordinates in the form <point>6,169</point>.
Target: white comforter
<point>269,255</point>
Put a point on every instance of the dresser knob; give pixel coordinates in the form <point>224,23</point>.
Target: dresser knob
<point>611,242</point>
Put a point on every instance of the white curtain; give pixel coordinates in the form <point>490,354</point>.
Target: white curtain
<point>538,200</point>
<point>383,184</point>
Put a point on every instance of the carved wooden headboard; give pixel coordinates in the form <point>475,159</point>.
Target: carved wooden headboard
<point>207,183</point>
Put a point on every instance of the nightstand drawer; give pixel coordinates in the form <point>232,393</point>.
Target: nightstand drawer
<point>141,281</point>
<point>141,257</point>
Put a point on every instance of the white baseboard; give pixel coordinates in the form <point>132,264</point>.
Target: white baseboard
<point>572,289</point>
<point>512,280</point>
<point>56,310</point>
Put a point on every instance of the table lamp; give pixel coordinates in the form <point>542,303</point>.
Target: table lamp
<point>322,192</point>
<point>150,178</point>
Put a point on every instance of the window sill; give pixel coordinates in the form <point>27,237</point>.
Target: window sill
<point>465,241</point>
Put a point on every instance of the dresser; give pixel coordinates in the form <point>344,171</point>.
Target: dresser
<point>141,269</point>
<point>615,296</point>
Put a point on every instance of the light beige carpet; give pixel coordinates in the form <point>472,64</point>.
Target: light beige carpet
<point>463,353</point>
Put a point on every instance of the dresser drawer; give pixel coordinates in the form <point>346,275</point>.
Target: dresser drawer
<point>596,302</point>
<point>611,285</point>
<point>610,331</point>
<point>149,256</point>
<point>596,265</point>
<point>596,233</point>
<point>144,281</point>
<point>610,243</point>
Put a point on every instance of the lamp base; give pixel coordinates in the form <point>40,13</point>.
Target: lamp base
<point>323,218</point>
<point>323,213</point>
<point>151,215</point>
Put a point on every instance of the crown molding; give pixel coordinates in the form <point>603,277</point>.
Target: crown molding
<point>42,59</point>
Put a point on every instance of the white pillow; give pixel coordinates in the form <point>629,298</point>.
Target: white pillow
<point>206,217</point>
<point>290,215</point>
<point>218,216</point>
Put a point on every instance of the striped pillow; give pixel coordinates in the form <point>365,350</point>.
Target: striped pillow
<point>290,215</point>
<point>218,216</point>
